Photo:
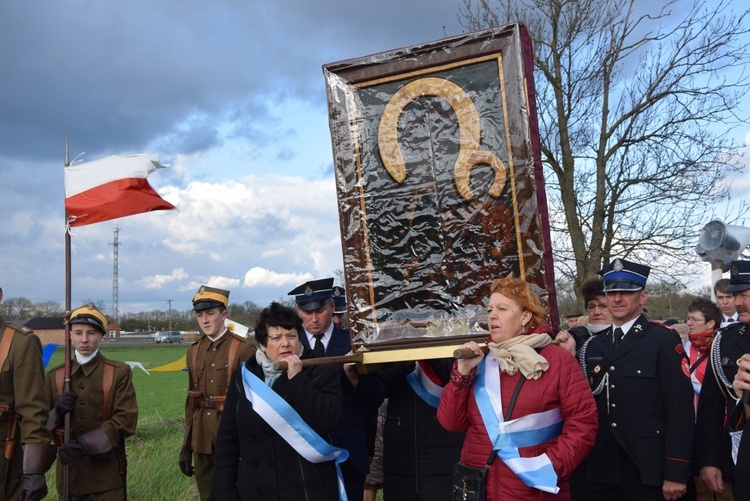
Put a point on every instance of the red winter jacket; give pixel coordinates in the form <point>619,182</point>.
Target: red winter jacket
<point>562,385</point>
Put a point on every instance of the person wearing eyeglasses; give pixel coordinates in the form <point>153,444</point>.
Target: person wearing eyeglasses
<point>704,318</point>
<point>273,440</point>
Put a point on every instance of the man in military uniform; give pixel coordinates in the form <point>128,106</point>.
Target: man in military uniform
<point>718,398</point>
<point>362,394</point>
<point>26,452</point>
<point>211,361</point>
<point>104,412</point>
<point>640,378</point>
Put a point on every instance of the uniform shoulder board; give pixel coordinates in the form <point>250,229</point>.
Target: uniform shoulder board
<point>115,363</point>
<point>731,327</point>
<point>22,329</point>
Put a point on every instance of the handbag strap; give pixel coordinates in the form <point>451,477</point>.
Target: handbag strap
<point>508,413</point>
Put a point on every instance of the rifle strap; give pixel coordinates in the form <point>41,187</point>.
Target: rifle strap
<point>5,344</point>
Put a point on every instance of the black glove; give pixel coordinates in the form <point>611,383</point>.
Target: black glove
<point>71,451</point>
<point>186,462</point>
<point>65,402</point>
<point>33,487</point>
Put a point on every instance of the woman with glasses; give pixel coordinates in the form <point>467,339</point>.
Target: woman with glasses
<point>273,436</point>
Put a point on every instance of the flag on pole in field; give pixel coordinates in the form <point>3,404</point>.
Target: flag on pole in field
<point>109,188</point>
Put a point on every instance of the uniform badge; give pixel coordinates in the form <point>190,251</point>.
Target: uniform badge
<point>679,349</point>
<point>617,266</point>
<point>308,291</point>
<point>337,292</point>
<point>686,367</point>
<point>597,369</point>
<point>638,328</point>
<point>202,289</point>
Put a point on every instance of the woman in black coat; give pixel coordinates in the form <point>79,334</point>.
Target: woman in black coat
<point>252,460</point>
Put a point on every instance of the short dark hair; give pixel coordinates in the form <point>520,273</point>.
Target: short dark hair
<point>721,285</point>
<point>592,288</point>
<point>276,315</point>
<point>708,308</point>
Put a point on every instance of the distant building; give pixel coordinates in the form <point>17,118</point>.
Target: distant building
<point>52,329</point>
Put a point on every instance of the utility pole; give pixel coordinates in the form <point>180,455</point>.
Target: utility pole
<point>170,313</point>
<point>115,278</point>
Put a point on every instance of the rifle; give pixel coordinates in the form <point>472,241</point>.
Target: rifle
<point>10,443</point>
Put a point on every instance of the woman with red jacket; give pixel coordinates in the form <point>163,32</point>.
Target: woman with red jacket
<point>534,447</point>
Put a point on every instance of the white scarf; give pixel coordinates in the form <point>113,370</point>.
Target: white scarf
<point>519,353</point>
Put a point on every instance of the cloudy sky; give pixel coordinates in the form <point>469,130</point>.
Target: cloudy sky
<point>229,93</point>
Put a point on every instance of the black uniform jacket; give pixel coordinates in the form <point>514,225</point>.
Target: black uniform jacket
<point>418,453</point>
<point>252,461</point>
<point>713,443</point>
<point>366,397</point>
<point>646,409</point>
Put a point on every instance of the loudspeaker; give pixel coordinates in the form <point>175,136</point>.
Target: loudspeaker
<point>720,244</point>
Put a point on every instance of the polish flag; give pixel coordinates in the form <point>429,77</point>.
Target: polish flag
<point>110,188</point>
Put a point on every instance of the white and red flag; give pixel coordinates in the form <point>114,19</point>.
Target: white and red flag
<point>109,188</point>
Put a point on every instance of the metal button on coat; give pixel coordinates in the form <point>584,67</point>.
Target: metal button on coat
<point>611,367</point>
<point>614,425</point>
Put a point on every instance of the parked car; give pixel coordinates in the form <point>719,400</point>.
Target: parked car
<point>169,337</point>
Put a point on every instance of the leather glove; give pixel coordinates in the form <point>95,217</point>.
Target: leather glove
<point>71,451</point>
<point>33,487</point>
<point>186,462</point>
<point>65,402</point>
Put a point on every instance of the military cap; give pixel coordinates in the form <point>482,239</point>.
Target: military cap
<point>574,314</point>
<point>739,276</point>
<point>313,294</point>
<point>210,297</point>
<point>623,276</point>
<point>89,315</point>
<point>339,299</point>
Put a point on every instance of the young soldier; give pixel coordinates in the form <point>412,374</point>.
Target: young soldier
<point>211,361</point>
<point>104,412</point>
<point>27,453</point>
<point>725,301</point>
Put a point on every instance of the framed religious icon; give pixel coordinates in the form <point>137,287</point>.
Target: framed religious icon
<point>439,185</point>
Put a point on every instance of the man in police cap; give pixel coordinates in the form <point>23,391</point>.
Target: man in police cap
<point>211,361</point>
<point>28,452</point>
<point>339,306</point>
<point>719,399</point>
<point>362,394</point>
<point>640,378</point>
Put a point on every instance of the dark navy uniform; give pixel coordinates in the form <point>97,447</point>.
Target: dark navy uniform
<point>713,442</point>
<point>644,398</point>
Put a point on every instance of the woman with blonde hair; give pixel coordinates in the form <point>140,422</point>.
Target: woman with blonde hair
<point>526,408</point>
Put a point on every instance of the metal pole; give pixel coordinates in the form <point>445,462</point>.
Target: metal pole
<point>66,384</point>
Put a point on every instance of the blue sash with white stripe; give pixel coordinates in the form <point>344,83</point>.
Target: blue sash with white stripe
<point>507,437</point>
<point>290,426</point>
<point>425,388</point>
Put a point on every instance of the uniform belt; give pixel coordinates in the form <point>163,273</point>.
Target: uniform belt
<point>208,403</point>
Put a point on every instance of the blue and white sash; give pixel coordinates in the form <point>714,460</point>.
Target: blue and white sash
<point>424,387</point>
<point>290,426</point>
<point>507,437</point>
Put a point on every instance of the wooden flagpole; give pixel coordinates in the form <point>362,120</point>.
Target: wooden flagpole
<point>66,384</point>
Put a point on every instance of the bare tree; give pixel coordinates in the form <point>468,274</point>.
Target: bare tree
<point>635,110</point>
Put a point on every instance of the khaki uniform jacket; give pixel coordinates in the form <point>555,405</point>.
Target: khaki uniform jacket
<point>22,390</point>
<point>212,371</point>
<point>100,473</point>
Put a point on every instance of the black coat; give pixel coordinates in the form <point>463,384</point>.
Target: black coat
<point>252,461</point>
<point>418,453</point>
<point>713,443</point>
<point>366,397</point>
<point>650,414</point>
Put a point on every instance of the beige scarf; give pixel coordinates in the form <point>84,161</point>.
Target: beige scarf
<point>519,353</point>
